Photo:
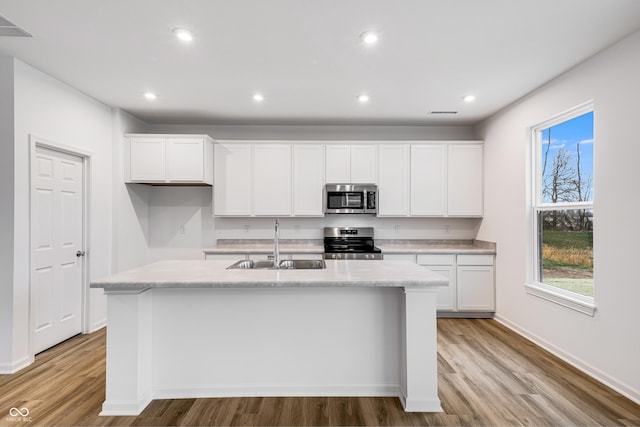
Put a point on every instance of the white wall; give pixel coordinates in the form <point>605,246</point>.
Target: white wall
<point>130,201</point>
<point>607,345</point>
<point>50,109</point>
<point>6,214</point>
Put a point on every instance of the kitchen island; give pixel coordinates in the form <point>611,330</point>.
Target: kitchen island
<point>184,329</point>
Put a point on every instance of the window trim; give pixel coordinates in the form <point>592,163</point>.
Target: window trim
<point>533,286</point>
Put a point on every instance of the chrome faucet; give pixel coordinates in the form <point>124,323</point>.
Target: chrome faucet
<point>276,247</point>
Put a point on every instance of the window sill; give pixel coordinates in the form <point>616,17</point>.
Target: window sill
<point>580,304</point>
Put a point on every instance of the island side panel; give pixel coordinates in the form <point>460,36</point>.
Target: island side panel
<point>129,357</point>
<point>277,342</point>
<point>420,376</point>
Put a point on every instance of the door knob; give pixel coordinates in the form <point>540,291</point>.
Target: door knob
<point>80,253</point>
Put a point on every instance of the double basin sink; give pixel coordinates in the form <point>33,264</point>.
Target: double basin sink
<point>287,264</point>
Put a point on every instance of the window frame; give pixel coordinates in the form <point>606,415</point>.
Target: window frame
<point>534,286</point>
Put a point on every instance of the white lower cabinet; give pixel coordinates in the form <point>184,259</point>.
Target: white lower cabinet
<point>445,265</point>
<point>471,289</point>
<point>475,274</point>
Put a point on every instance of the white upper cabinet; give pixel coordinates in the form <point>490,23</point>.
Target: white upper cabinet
<point>168,159</point>
<point>232,179</point>
<point>272,179</point>
<point>393,179</point>
<point>364,161</point>
<point>147,159</point>
<point>465,180</point>
<point>351,163</point>
<point>428,180</point>
<point>308,179</point>
<point>338,163</point>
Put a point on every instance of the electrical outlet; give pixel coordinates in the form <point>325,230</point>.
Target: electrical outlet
<point>396,227</point>
<point>246,228</point>
<point>447,229</point>
<point>296,228</point>
<point>181,229</point>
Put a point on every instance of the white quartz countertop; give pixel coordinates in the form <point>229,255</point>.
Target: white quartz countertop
<point>243,247</point>
<point>214,274</point>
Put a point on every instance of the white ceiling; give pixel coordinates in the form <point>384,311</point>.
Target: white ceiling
<point>306,57</point>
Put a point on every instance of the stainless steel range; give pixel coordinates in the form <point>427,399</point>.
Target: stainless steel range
<point>350,243</point>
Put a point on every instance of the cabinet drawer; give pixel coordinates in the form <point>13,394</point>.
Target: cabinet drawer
<point>441,259</point>
<point>475,259</point>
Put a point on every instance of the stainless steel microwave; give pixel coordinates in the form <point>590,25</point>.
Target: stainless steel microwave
<point>350,199</point>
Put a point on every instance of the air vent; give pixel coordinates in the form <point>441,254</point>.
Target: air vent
<point>443,112</point>
<point>9,29</point>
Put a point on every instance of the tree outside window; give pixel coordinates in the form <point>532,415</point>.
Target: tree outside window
<point>564,204</point>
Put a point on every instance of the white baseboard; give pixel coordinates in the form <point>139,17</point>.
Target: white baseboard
<point>97,326</point>
<point>12,368</point>
<point>185,391</point>
<point>576,362</point>
<point>124,409</point>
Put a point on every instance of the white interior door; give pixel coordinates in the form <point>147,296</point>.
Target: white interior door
<point>57,260</point>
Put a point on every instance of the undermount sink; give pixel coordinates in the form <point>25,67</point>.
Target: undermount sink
<point>303,264</point>
<point>288,264</point>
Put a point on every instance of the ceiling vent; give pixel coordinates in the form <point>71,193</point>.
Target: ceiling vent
<point>444,112</point>
<point>9,29</point>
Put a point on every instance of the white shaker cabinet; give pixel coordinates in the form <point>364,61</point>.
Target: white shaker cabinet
<point>308,179</point>
<point>444,264</point>
<point>147,159</point>
<point>232,180</point>
<point>465,180</point>
<point>475,283</point>
<point>351,163</point>
<point>393,179</point>
<point>272,180</point>
<point>338,163</point>
<point>428,180</point>
<point>364,162</point>
<point>168,159</point>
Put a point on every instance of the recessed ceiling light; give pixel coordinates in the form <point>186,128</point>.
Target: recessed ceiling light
<point>469,98</point>
<point>150,95</point>
<point>258,97</point>
<point>369,37</point>
<point>363,98</point>
<point>183,34</point>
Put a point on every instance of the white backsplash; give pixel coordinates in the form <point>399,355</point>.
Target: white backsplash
<point>181,224</point>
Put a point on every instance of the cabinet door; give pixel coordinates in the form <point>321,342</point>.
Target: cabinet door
<point>232,179</point>
<point>465,180</point>
<point>364,164</point>
<point>428,180</point>
<point>148,159</point>
<point>308,179</point>
<point>272,179</point>
<point>393,180</point>
<point>475,288</point>
<point>445,295</point>
<point>186,159</point>
<point>338,164</point>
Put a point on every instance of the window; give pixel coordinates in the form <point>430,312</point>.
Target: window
<point>562,217</point>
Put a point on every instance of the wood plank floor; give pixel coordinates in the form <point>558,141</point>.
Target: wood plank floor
<point>488,375</point>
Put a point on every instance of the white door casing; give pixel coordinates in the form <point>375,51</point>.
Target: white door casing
<point>57,236</point>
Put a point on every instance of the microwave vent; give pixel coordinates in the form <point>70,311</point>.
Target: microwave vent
<point>444,112</point>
